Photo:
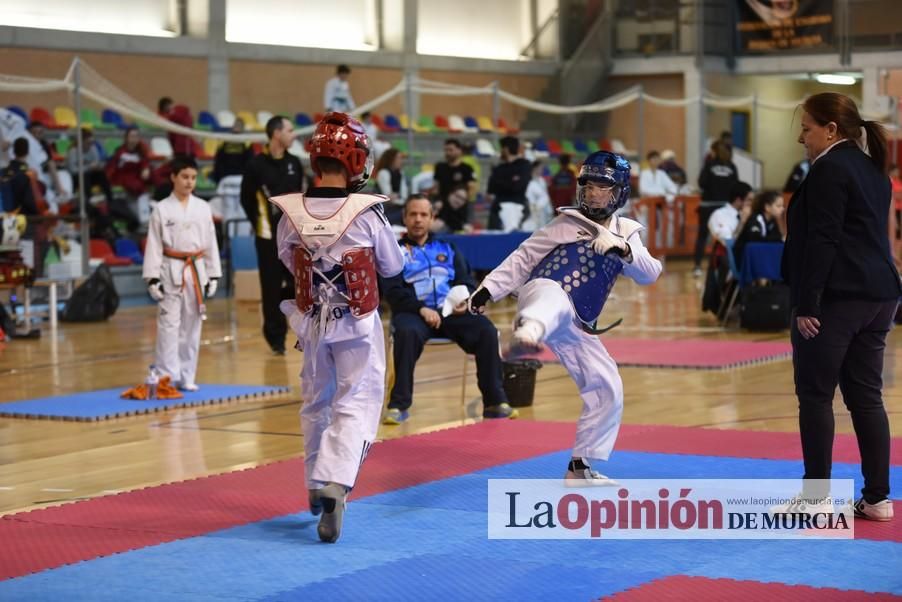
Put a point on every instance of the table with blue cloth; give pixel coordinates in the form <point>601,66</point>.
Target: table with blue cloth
<point>760,260</point>
<point>487,250</point>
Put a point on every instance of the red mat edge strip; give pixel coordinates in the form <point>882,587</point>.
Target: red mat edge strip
<point>690,587</point>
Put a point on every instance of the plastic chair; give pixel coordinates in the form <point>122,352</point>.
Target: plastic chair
<point>554,147</point>
<point>207,121</point>
<point>160,148</point>
<point>378,122</point>
<point>226,119</point>
<point>437,341</point>
<point>302,119</point>
<point>113,119</point>
<point>42,115</point>
<point>18,111</point>
<point>441,122</point>
<point>262,118</point>
<point>100,249</point>
<point>65,116</point>
<point>90,117</point>
<point>424,125</point>
<point>485,124</point>
<point>568,147</point>
<point>392,123</point>
<point>505,127</point>
<point>456,124</point>
<point>250,120</point>
<point>210,147</point>
<point>484,148</point>
<point>580,146</point>
<point>470,124</point>
<point>732,294</point>
<point>127,248</point>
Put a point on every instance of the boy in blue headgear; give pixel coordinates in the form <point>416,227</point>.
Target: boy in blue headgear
<point>564,273</point>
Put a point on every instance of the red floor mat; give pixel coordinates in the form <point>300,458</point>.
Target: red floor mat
<point>682,587</point>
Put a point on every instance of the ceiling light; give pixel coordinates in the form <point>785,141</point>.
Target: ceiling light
<point>831,78</point>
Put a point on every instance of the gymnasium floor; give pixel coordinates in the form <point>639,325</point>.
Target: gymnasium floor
<point>418,526</point>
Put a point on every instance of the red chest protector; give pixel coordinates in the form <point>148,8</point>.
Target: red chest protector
<point>357,266</point>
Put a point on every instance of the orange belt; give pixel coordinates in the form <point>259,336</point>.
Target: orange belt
<point>190,258</point>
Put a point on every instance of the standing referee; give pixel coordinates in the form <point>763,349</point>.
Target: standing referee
<point>273,172</point>
<point>844,289</point>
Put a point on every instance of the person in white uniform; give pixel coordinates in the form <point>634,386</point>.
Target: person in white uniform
<point>335,242</point>
<point>181,268</point>
<point>564,273</point>
<point>337,93</point>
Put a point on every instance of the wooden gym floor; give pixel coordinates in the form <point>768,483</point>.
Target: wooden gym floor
<point>44,462</point>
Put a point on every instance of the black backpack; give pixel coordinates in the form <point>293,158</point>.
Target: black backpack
<point>95,300</point>
<point>765,307</point>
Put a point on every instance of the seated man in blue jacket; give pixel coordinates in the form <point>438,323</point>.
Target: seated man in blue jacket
<point>433,272</point>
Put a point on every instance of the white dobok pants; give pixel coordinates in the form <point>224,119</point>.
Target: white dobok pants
<point>585,358</point>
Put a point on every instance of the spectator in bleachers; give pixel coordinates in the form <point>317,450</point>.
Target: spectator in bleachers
<point>654,181</point>
<point>129,167</point>
<point>337,93</point>
<point>273,172</point>
<point>563,183</point>
<point>726,138</point>
<point>46,170</point>
<point>540,209</point>
<point>762,224</point>
<point>231,157</point>
<point>435,272</point>
<point>716,181</point>
<point>673,170</point>
<point>18,189</point>
<point>180,115</point>
<point>507,185</point>
<point>372,132</point>
<point>12,126</point>
<point>724,224</point>
<point>93,164</point>
<point>456,186</point>
<point>797,176</point>
<point>390,181</point>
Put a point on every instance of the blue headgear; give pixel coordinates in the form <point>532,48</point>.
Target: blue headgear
<point>606,169</point>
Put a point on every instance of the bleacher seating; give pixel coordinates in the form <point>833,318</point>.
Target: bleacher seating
<point>302,119</point>
<point>65,116</point>
<point>160,148</point>
<point>42,115</point>
<point>113,119</point>
<point>250,121</point>
<point>127,248</point>
<point>226,119</point>
<point>263,117</point>
<point>207,121</point>
<point>485,124</point>
<point>100,249</point>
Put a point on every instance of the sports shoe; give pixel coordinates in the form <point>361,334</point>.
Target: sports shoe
<point>333,498</point>
<point>696,272</point>
<point>580,474</point>
<point>526,339</point>
<point>502,410</point>
<point>394,416</point>
<point>316,506</point>
<point>189,387</point>
<point>882,510</point>
<point>800,505</point>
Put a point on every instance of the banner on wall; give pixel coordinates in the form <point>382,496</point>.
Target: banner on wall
<point>775,25</point>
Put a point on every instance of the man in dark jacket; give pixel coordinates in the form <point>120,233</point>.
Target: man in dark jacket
<point>433,272</point>
<point>273,172</point>
<point>16,188</point>
<point>509,181</point>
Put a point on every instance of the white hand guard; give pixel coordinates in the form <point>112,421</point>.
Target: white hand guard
<point>608,242</point>
<point>155,289</point>
<point>212,285</point>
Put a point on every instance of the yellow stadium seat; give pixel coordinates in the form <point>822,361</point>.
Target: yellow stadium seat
<point>211,146</point>
<point>65,116</point>
<point>485,124</point>
<point>404,121</point>
<point>250,121</point>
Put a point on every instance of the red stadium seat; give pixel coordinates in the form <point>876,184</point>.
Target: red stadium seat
<point>504,127</point>
<point>554,147</point>
<point>42,115</point>
<point>101,249</point>
<point>441,122</point>
<point>377,121</point>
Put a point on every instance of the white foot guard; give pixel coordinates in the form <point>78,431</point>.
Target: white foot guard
<point>580,474</point>
<point>526,339</point>
<point>332,497</point>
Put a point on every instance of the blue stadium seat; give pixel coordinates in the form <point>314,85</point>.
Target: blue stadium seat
<point>18,111</point>
<point>111,117</point>
<point>471,122</point>
<point>206,120</point>
<point>392,122</point>
<point>126,247</point>
<point>302,120</point>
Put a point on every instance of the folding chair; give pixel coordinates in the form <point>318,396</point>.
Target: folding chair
<point>732,293</point>
<point>436,341</point>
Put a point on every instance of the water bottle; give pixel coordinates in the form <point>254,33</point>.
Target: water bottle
<point>153,379</point>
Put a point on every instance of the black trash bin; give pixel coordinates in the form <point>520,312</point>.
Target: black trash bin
<point>520,381</point>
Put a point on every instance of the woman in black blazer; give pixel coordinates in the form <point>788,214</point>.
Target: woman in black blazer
<point>844,290</point>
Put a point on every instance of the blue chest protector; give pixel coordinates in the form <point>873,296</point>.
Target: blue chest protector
<point>583,274</point>
<point>430,269</point>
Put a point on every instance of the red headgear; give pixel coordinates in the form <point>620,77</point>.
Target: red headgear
<point>340,136</point>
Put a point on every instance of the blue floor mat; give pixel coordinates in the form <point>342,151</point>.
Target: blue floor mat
<point>107,403</point>
<point>429,542</point>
